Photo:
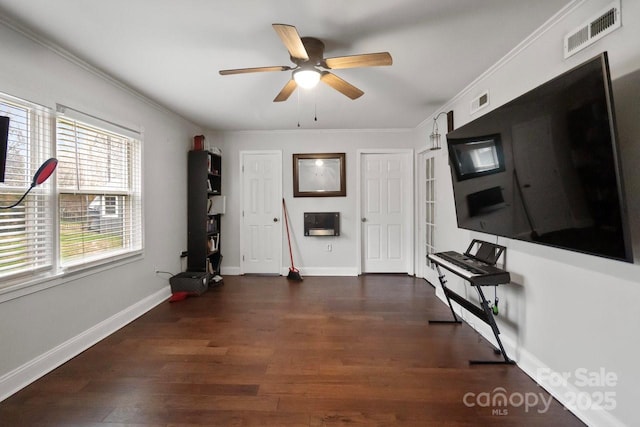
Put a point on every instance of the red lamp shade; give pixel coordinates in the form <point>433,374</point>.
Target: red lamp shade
<point>41,175</point>
<point>44,171</point>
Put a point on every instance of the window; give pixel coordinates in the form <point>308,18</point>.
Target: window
<point>26,230</point>
<point>110,205</point>
<point>98,193</point>
<point>89,213</point>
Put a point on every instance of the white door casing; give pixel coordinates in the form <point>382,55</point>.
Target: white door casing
<point>261,212</point>
<point>386,211</point>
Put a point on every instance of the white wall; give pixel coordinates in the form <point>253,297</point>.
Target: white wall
<point>564,310</point>
<point>39,329</point>
<point>310,254</point>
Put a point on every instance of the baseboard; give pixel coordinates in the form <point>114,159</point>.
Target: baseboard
<point>24,375</point>
<point>325,271</point>
<point>564,393</point>
<point>304,271</point>
<point>230,271</point>
<point>567,394</point>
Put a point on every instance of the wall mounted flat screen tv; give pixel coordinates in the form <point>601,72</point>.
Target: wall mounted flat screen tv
<point>545,167</point>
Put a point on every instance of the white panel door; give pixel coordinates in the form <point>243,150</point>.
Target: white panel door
<point>386,212</point>
<point>261,210</point>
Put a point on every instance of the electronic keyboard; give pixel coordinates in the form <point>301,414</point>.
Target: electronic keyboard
<point>475,271</point>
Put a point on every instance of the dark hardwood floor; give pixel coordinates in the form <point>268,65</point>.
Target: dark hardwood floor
<point>262,351</point>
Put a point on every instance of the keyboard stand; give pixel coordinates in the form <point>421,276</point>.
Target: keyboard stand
<point>483,312</point>
<point>443,283</point>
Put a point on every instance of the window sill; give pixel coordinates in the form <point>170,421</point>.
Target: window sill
<point>49,279</point>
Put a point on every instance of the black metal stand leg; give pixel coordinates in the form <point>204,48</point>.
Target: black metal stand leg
<point>496,332</point>
<point>443,283</point>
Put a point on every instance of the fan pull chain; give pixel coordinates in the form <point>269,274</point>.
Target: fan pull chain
<point>298,93</point>
<point>315,106</point>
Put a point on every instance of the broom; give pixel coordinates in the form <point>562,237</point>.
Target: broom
<point>294,273</point>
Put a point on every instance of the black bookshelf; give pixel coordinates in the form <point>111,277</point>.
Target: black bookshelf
<point>203,239</point>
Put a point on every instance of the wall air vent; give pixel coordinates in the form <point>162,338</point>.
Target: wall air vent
<point>480,101</point>
<point>593,30</point>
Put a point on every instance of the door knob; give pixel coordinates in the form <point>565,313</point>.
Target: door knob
<point>275,219</point>
<point>364,220</point>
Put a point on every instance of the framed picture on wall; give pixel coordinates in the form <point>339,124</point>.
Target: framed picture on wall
<point>319,175</point>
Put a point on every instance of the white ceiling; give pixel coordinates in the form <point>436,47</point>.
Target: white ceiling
<point>171,51</point>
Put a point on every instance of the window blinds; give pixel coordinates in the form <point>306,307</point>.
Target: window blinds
<point>99,193</point>
<point>26,239</point>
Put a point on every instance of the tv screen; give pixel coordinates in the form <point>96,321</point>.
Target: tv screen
<point>545,167</point>
<point>4,138</point>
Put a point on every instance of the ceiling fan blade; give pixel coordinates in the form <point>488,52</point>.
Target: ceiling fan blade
<point>286,91</point>
<point>254,70</point>
<point>364,60</point>
<point>340,85</point>
<point>292,41</point>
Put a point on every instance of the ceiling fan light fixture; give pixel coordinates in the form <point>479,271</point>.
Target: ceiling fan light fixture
<point>310,65</point>
<point>306,78</point>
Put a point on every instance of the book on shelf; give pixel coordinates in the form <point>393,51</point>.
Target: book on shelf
<point>212,243</point>
<point>216,241</point>
<point>209,185</point>
<point>218,205</point>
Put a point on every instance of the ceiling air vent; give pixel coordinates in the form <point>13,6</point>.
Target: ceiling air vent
<point>593,30</point>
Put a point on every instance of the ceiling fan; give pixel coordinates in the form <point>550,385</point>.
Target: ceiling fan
<point>307,53</point>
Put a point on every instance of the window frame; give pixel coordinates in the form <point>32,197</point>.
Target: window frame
<point>20,283</point>
<point>38,205</point>
<point>133,191</point>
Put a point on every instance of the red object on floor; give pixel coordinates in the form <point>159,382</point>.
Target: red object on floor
<point>179,296</point>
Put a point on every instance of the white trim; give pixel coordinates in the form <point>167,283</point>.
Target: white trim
<point>22,286</point>
<point>531,366</point>
<point>65,54</point>
<point>411,214</point>
<point>34,369</point>
<point>304,271</point>
<point>324,271</point>
<point>319,131</point>
<point>591,417</point>
<point>230,271</point>
<point>513,53</point>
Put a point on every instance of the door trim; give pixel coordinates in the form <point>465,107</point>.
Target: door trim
<point>241,157</point>
<point>408,152</point>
